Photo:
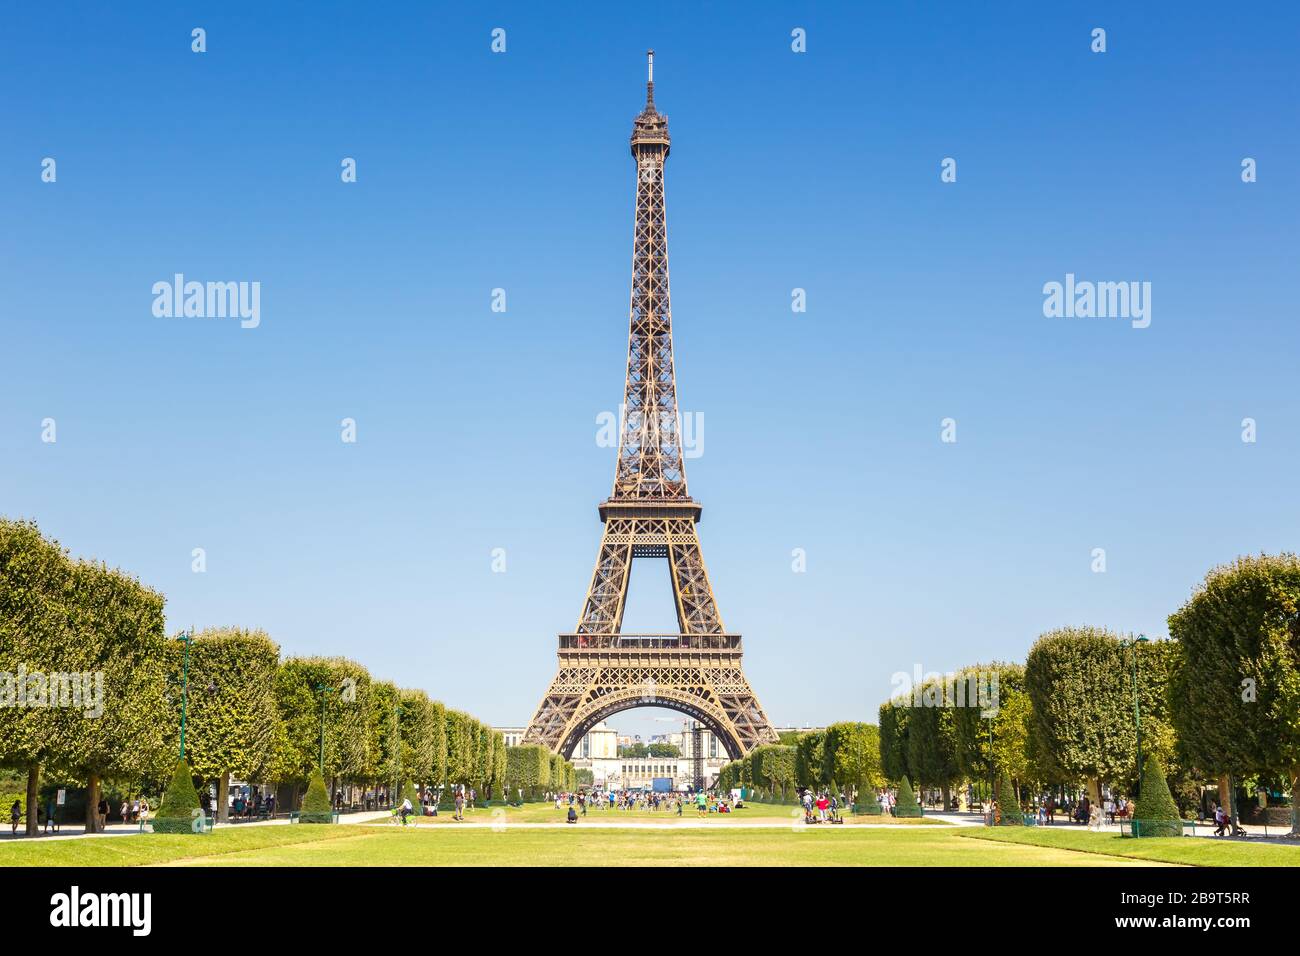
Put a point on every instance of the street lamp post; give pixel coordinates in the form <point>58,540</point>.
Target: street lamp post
<point>188,638</point>
<point>991,776</point>
<point>324,690</point>
<point>1137,709</point>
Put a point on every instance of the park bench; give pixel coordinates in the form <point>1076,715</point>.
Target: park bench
<point>146,824</point>
<point>295,816</point>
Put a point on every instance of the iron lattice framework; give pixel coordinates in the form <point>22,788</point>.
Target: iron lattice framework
<point>650,515</point>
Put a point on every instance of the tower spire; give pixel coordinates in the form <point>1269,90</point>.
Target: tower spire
<point>650,515</point>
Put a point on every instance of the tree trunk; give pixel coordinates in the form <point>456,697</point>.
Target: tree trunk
<point>947,797</point>
<point>1094,791</point>
<point>92,804</point>
<point>1295,802</point>
<point>223,798</point>
<point>33,799</point>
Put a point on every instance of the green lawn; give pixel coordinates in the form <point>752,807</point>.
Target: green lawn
<point>307,845</point>
<point>676,848</point>
<point>546,813</point>
<point>148,848</point>
<point>716,843</point>
<point>1197,851</point>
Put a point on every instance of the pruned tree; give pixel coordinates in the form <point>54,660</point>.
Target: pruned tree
<point>231,714</point>
<point>1081,694</point>
<point>810,759</point>
<point>894,715</point>
<point>932,747</point>
<point>116,635</point>
<point>418,739</point>
<point>1235,690</point>
<point>851,755</point>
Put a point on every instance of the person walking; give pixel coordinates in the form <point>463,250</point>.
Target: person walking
<point>50,807</point>
<point>15,814</point>
<point>460,806</point>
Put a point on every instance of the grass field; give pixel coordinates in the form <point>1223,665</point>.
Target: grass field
<point>643,839</point>
<point>307,845</point>
<point>546,813</point>
<point>1199,851</point>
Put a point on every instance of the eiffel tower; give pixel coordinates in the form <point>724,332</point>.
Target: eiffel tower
<point>650,515</point>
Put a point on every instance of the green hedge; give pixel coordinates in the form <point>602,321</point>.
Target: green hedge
<point>176,814</point>
<point>7,801</point>
<point>868,804</point>
<point>1008,800</point>
<point>316,806</point>
<point>181,799</point>
<point>1155,814</point>
<point>907,805</point>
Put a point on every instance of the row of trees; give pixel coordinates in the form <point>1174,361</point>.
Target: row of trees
<point>1221,697</point>
<point>844,755</point>
<point>649,750</point>
<point>532,770</point>
<point>91,691</point>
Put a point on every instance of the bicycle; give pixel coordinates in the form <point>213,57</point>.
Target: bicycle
<point>396,818</point>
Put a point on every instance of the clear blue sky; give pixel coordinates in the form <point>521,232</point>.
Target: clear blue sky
<point>822,430</point>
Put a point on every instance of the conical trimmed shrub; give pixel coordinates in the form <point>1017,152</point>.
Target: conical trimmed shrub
<point>176,814</point>
<point>316,801</point>
<point>1155,813</point>
<point>1008,803</point>
<point>409,792</point>
<point>906,805</point>
<point>868,803</point>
